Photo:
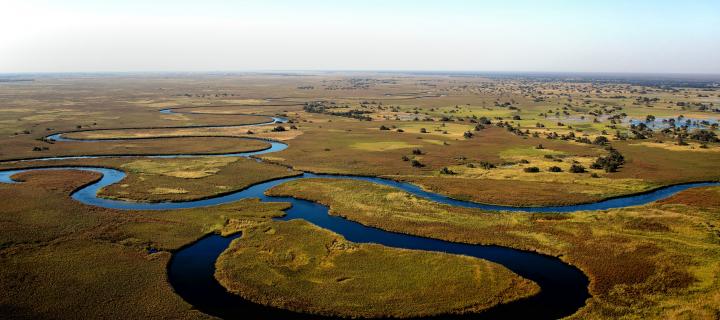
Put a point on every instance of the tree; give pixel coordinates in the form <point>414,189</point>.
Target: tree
<point>609,163</point>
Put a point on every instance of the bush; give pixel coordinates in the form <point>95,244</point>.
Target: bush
<point>417,151</point>
<point>600,140</point>
<point>554,169</point>
<point>383,127</point>
<point>486,165</point>
<point>423,130</point>
<point>576,168</point>
<point>609,163</point>
<point>445,170</point>
<point>531,169</point>
<point>278,129</point>
<point>417,164</point>
<point>468,134</point>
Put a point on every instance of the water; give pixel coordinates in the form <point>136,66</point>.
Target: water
<point>664,123</point>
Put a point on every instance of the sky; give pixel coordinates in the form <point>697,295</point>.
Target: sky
<point>449,35</point>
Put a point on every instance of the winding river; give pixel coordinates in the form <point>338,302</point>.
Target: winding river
<point>564,288</point>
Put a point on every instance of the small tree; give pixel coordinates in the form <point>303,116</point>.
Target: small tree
<point>600,140</point>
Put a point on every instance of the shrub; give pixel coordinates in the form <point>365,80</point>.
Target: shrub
<point>383,127</point>
<point>278,129</point>
<point>417,164</point>
<point>600,140</point>
<point>554,169</point>
<point>468,134</point>
<point>576,168</point>
<point>417,151</point>
<point>486,165</point>
<point>445,170</point>
<point>423,130</point>
<point>531,169</point>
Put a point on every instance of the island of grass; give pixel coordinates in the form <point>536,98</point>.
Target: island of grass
<point>298,266</point>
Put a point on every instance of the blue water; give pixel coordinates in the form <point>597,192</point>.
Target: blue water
<point>663,123</point>
<point>191,270</point>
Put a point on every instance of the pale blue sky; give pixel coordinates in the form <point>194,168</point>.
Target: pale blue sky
<point>582,36</point>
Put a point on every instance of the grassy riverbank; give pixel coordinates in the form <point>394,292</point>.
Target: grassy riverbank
<point>62,259</point>
<point>655,261</point>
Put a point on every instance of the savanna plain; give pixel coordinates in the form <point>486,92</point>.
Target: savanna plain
<point>510,141</point>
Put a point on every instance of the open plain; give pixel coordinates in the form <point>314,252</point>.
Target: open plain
<point>407,166</point>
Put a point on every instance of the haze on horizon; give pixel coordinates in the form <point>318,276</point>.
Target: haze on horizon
<point>455,35</point>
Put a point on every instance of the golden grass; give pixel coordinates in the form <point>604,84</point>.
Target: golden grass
<point>383,146</point>
<point>193,168</point>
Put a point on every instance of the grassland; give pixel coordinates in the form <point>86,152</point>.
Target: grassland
<point>62,259</point>
<point>298,266</point>
<point>655,261</point>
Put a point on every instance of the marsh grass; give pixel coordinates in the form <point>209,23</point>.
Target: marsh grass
<point>62,259</point>
<point>654,261</point>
